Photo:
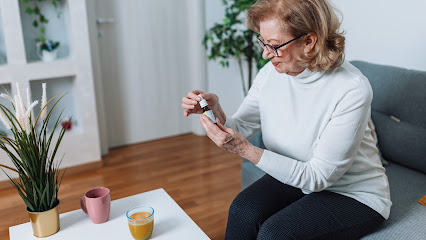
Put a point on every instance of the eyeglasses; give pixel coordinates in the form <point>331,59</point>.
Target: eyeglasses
<point>271,48</point>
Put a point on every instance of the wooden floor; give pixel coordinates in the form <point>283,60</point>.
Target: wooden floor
<point>202,178</point>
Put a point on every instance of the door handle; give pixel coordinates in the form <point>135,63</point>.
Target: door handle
<point>104,20</point>
<point>100,21</point>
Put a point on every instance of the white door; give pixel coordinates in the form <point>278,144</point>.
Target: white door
<point>146,67</point>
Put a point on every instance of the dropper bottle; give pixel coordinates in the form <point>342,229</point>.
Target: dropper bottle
<point>206,110</point>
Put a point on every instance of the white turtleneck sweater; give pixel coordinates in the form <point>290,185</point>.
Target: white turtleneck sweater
<point>315,129</point>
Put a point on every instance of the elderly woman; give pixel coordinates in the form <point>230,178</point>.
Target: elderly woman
<point>324,176</point>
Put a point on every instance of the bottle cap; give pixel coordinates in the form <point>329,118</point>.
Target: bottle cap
<point>203,101</point>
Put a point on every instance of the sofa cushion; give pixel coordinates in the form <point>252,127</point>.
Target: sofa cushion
<point>399,112</point>
<point>407,217</point>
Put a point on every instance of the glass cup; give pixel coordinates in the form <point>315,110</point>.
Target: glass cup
<point>141,222</point>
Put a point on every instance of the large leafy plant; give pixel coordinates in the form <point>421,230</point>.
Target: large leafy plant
<point>32,151</point>
<point>232,39</point>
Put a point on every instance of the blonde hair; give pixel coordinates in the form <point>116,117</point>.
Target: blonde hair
<point>300,17</point>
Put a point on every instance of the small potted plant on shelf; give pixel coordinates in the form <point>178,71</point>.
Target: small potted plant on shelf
<point>47,49</point>
<point>33,153</point>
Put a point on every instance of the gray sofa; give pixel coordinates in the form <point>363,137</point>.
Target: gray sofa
<point>399,115</point>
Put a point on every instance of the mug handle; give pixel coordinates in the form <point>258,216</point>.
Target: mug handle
<point>82,205</point>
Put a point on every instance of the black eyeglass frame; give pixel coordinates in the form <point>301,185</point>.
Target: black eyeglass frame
<point>275,49</point>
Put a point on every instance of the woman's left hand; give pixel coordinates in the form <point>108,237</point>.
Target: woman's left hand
<point>231,140</point>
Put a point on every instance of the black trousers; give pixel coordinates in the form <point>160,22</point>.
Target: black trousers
<point>269,209</point>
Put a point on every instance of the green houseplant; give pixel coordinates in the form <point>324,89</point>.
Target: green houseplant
<point>231,39</point>
<point>32,152</point>
<point>46,49</point>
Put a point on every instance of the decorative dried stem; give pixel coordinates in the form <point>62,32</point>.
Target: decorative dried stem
<point>5,121</point>
<point>7,97</point>
<point>43,102</point>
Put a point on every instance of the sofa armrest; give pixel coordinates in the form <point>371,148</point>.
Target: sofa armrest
<point>249,172</point>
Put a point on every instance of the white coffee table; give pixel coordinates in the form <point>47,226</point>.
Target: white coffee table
<point>170,221</point>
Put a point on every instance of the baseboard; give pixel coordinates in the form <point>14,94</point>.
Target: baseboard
<point>70,170</point>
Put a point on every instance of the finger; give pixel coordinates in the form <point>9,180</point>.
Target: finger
<point>187,106</point>
<point>212,127</point>
<point>194,95</point>
<point>188,112</point>
<point>223,128</point>
<point>213,137</point>
<point>230,132</point>
<point>220,125</point>
<point>208,97</point>
<point>215,133</point>
<point>189,101</point>
<point>205,122</point>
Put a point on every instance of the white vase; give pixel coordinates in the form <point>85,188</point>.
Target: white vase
<point>47,56</point>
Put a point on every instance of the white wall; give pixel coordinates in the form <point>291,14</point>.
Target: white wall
<point>381,31</point>
<point>389,32</point>
<point>225,82</point>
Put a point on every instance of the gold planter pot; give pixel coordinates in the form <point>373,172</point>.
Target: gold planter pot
<point>45,223</point>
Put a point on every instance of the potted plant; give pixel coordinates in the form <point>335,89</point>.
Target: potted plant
<point>231,39</point>
<point>33,153</point>
<point>46,49</point>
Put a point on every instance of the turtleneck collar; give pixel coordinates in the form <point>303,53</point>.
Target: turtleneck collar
<point>307,77</point>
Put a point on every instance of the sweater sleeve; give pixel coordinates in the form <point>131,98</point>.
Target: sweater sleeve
<point>336,148</point>
<point>247,118</point>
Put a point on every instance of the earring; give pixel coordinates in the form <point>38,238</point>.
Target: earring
<point>306,54</point>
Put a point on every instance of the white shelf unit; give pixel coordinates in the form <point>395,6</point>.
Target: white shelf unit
<point>71,73</point>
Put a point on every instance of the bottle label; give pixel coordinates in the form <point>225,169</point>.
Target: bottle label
<point>210,115</point>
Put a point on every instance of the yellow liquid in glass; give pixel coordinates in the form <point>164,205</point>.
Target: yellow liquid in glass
<point>141,231</point>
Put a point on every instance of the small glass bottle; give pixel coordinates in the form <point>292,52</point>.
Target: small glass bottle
<point>206,110</point>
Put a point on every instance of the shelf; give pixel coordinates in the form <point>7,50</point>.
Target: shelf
<point>39,70</point>
<point>54,86</point>
<point>56,28</point>
<point>3,57</point>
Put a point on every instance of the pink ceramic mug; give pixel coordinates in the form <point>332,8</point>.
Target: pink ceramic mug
<point>98,204</point>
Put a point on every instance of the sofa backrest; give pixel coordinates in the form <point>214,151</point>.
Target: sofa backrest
<point>398,112</point>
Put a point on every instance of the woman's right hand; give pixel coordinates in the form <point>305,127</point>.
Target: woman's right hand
<point>191,105</point>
